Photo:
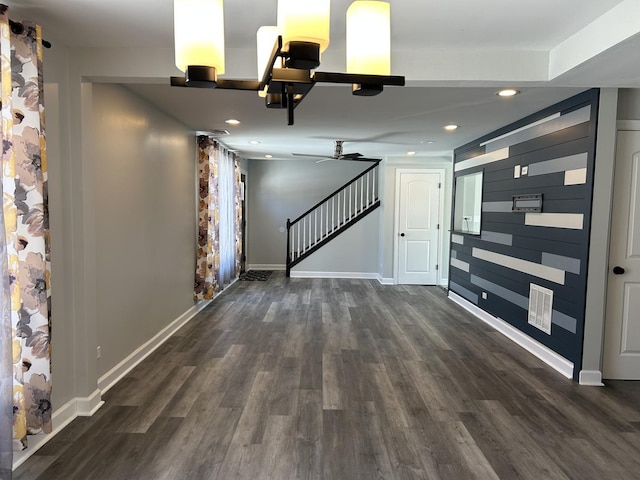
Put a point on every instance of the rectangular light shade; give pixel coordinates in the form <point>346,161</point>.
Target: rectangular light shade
<point>304,21</point>
<point>265,39</point>
<point>369,38</point>
<point>199,33</point>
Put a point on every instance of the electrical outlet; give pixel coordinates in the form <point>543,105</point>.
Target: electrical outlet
<point>484,295</point>
<point>525,170</point>
<point>98,352</point>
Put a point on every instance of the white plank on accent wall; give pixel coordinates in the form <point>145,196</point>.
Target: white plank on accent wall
<point>459,264</point>
<point>575,177</point>
<point>459,239</point>
<point>573,221</point>
<point>524,266</point>
<point>483,159</point>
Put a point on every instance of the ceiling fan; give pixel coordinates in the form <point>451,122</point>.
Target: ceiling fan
<point>338,154</point>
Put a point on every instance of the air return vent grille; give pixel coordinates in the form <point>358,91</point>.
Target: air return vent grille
<point>540,307</point>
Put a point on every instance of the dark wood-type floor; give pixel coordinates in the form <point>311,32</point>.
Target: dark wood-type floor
<point>346,380</point>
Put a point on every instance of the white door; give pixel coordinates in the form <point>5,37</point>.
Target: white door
<point>418,227</point>
<point>622,327</point>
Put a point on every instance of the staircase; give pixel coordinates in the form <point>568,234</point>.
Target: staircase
<point>331,216</point>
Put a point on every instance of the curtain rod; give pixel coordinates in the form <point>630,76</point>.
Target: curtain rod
<point>18,29</point>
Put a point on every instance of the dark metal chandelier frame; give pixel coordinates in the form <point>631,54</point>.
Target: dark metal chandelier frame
<point>286,86</point>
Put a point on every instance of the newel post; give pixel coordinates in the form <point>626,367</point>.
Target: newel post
<point>288,262</point>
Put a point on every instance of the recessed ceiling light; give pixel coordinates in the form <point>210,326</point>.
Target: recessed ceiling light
<point>268,156</point>
<point>428,142</point>
<point>232,121</point>
<point>411,154</point>
<point>451,127</point>
<point>508,92</point>
<point>254,142</point>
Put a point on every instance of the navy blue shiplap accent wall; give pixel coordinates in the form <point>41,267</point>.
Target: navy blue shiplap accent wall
<point>552,153</point>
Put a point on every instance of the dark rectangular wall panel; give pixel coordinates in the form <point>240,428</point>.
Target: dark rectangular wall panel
<point>549,153</point>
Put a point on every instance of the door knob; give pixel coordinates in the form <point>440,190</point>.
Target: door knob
<point>618,270</point>
<point>402,234</point>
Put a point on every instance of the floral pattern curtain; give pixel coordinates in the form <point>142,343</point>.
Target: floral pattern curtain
<point>216,205</point>
<point>208,261</point>
<point>26,228</point>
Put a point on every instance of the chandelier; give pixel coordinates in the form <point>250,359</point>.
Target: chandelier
<point>289,53</point>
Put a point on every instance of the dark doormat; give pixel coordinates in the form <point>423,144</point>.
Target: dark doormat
<point>256,275</point>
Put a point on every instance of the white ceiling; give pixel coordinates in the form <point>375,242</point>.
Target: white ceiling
<point>455,55</point>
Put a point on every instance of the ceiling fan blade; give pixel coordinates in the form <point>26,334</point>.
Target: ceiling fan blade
<point>365,159</point>
<point>311,156</point>
<point>354,159</point>
<point>350,156</point>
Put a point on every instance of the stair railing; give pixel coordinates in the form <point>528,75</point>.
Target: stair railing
<point>330,216</point>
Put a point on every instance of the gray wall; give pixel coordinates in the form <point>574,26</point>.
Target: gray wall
<point>353,253</point>
<point>56,98</point>
<point>281,189</point>
<point>144,220</point>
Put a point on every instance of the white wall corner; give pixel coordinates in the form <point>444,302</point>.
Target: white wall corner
<point>114,375</point>
<point>87,406</point>
<point>544,353</point>
<point>63,416</point>
<point>386,281</point>
<point>591,378</point>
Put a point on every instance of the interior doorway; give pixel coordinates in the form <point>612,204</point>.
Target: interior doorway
<point>418,226</point>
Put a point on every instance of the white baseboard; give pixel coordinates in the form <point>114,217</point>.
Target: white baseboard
<point>360,275</point>
<point>266,266</point>
<point>114,375</point>
<point>386,281</point>
<point>63,416</point>
<point>548,356</point>
<point>87,406</point>
<point>592,378</point>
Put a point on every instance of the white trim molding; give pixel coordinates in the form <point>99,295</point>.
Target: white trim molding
<point>359,275</point>
<point>266,266</point>
<point>114,375</point>
<point>592,378</point>
<point>63,416</point>
<point>87,406</point>
<point>386,281</point>
<point>548,356</point>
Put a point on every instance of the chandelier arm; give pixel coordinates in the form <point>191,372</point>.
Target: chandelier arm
<point>230,84</point>
<point>333,77</point>
<point>224,83</point>
<point>290,104</point>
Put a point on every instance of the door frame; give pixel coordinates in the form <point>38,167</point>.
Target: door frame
<point>396,218</point>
